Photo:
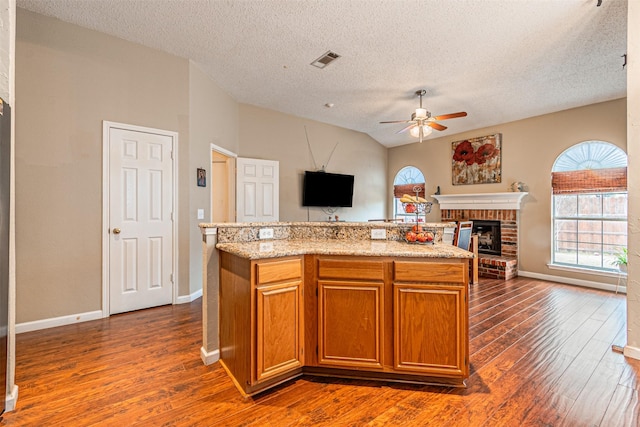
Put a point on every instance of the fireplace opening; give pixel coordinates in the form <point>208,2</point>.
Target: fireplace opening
<point>489,240</point>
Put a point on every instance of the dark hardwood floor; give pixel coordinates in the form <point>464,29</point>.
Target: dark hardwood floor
<point>540,356</point>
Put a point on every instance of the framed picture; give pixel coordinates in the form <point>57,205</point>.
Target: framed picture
<point>202,177</point>
<point>477,160</point>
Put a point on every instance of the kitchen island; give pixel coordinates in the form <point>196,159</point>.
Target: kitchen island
<point>341,306</point>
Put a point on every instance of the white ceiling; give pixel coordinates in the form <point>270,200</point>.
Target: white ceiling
<point>498,60</point>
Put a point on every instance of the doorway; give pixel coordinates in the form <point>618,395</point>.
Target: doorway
<point>139,217</point>
<point>223,165</point>
<point>243,189</point>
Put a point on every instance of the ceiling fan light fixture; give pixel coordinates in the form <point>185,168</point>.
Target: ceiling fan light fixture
<point>422,123</point>
<point>415,131</point>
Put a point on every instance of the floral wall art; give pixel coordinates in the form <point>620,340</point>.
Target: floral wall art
<point>477,160</point>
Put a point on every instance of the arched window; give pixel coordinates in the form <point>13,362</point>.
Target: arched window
<point>589,183</point>
<point>406,182</point>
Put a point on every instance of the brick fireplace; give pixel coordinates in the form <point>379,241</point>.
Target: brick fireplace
<point>502,207</point>
<point>489,237</point>
<point>508,224</point>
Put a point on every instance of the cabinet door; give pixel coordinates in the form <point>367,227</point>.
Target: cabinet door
<point>430,329</point>
<point>350,323</point>
<point>279,329</point>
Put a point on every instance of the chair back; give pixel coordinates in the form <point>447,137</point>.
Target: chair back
<point>462,238</point>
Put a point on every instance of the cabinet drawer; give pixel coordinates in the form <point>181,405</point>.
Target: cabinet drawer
<point>276,271</point>
<point>441,272</point>
<point>350,269</point>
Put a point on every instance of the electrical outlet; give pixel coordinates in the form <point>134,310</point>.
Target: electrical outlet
<point>266,246</point>
<point>378,234</point>
<point>266,233</point>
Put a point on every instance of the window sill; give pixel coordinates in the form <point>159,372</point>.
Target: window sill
<point>614,274</point>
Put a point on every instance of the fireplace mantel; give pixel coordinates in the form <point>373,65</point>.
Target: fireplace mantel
<point>509,200</point>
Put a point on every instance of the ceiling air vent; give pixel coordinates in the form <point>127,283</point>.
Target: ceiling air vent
<point>327,58</point>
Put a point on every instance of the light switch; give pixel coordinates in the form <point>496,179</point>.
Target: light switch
<point>200,213</point>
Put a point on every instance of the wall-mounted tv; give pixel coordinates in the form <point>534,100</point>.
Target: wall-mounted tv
<point>325,189</point>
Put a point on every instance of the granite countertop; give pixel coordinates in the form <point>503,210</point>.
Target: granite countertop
<point>280,248</point>
<point>369,224</point>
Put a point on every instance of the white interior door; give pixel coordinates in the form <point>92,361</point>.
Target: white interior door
<point>141,247</point>
<point>257,186</point>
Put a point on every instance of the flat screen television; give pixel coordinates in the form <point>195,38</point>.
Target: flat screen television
<point>323,189</point>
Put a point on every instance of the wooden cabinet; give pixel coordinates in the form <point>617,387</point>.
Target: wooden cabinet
<point>261,320</point>
<point>402,319</point>
<point>350,324</point>
<point>350,313</point>
<point>430,323</point>
<point>279,320</point>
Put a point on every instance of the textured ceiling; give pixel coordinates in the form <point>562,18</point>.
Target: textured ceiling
<point>498,60</point>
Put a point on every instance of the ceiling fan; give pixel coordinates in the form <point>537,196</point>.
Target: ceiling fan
<point>422,122</point>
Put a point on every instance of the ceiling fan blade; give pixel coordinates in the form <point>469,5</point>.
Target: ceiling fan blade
<point>406,128</point>
<point>399,121</point>
<point>451,116</point>
<point>436,126</point>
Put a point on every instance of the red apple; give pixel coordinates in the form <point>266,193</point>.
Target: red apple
<point>429,236</point>
<point>416,228</point>
<point>411,236</point>
<point>410,208</point>
<point>421,237</point>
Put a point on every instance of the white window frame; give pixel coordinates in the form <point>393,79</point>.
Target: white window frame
<point>585,155</point>
<point>605,265</point>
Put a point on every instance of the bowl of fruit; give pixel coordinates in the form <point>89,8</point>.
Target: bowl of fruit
<point>418,235</point>
<point>415,204</point>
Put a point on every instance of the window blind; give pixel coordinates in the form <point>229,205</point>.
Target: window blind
<point>589,181</point>
<point>399,190</point>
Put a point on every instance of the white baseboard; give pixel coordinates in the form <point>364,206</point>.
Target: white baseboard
<point>11,399</point>
<point>632,352</point>
<point>185,299</point>
<point>622,289</point>
<point>37,325</point>
<point>209,357</point>
<point>58,321</point>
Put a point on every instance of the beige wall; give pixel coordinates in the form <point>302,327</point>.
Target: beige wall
<point>69,80</point>
<point>633,117</point>
<point>7,92</point>
<point>213,119</point>
<point>271,135</point>
<point>7,27</point>
<point>529,149</point>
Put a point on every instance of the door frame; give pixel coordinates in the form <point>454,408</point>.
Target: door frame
<point>106,173</point>
<point>232,180</point>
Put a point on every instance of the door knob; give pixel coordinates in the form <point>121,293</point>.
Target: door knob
<point>116,231</point>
